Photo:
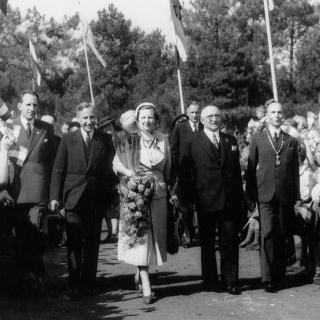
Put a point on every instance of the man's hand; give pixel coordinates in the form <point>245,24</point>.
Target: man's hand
<point>53,205</point>
<point>5,199</point>
<point>6,142</point>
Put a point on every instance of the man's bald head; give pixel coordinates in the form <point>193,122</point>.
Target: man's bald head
<point>208,110</point>
<point>211,118</point>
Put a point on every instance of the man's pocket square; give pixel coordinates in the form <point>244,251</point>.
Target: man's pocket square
<point>234,148</point>
<point>45,140</point>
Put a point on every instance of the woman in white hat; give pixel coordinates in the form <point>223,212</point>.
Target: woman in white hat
<point>143,151</point>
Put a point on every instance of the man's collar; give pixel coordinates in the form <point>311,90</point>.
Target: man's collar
<point>210,133</point>
<point>194,123</point>
<point>84,133</point>
<point>273,130</point>
<point>24,121</point>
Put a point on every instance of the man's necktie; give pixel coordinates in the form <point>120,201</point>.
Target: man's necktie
<point>28,130</point>
<point>215,141</point>
<point>195,128</point>
<point>88,149</point>
<point>87,140</point>
<point>275,137</point>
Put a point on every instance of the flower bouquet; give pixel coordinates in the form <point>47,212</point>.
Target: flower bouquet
<point>136,193</point>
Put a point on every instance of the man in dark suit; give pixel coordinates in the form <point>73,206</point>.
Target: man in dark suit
<point>181,133</point>
<point>80,176</point>
<point>273,182</point>
<point>31,161</point>
<point>210,162</point>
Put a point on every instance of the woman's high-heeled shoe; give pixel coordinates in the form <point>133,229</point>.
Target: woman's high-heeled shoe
<point>148,299</point>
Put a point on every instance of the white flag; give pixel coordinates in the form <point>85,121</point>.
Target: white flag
<point>178,34</point>
<point>37,74</point>
<point>90,40</point>
<point>271,5</point>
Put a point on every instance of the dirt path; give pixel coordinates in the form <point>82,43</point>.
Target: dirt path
<point>177,285</point>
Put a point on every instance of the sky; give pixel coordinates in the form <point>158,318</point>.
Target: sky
<point>147,14</point>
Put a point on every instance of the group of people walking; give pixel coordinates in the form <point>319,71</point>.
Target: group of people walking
<point>200,165</point>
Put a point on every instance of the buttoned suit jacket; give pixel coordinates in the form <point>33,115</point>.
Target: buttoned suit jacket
<point>72,174</point>
<point>264,178</point>
<point>31,182</point>
<point>182,132</point>
<point>218,183</point>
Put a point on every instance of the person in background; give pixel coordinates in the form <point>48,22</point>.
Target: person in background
<point>74,126</point>
<point>107,125</point>
<point>6,142</point>
<point>182,132</point>
<point>301,123</point>
<point>301,210</point>
<point>64,128</point>
<point>261,114</point>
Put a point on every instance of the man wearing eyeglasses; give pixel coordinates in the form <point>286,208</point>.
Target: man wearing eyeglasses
<point>211,164</point>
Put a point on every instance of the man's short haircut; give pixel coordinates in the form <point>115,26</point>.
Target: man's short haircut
<point>193,103</point>
<point>84,105</point>
<point>268,102</point>
<point>27,91</point>
<point>274,102</point>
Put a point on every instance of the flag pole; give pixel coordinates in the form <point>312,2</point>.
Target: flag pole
<point>273,72</point>
<point>179,81</point>
<point>31,59</point>
<point>85,52</point>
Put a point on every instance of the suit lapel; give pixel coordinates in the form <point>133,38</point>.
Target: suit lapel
<point>266,140</point>
<point>188,128</point>
<point>285,140</point>
<point>97,146</point>
<point>79,147</point>
<point>224,147</point>
<point>37,132</point>
<point>207,145</point>
<point>22,139</point>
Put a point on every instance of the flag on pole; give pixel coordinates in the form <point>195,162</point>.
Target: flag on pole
<point>37,73</point>
<point>17,153</point>
<point>271,5</point>
<point>90,40</point>
<point>5,114</point>
<point>178,34</point>
<point>3,6</point>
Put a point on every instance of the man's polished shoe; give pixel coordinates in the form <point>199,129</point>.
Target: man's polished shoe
<point>232,289</point>
<point>270,287</point>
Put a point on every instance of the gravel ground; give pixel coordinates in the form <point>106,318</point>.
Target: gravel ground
<point>177,285</point>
